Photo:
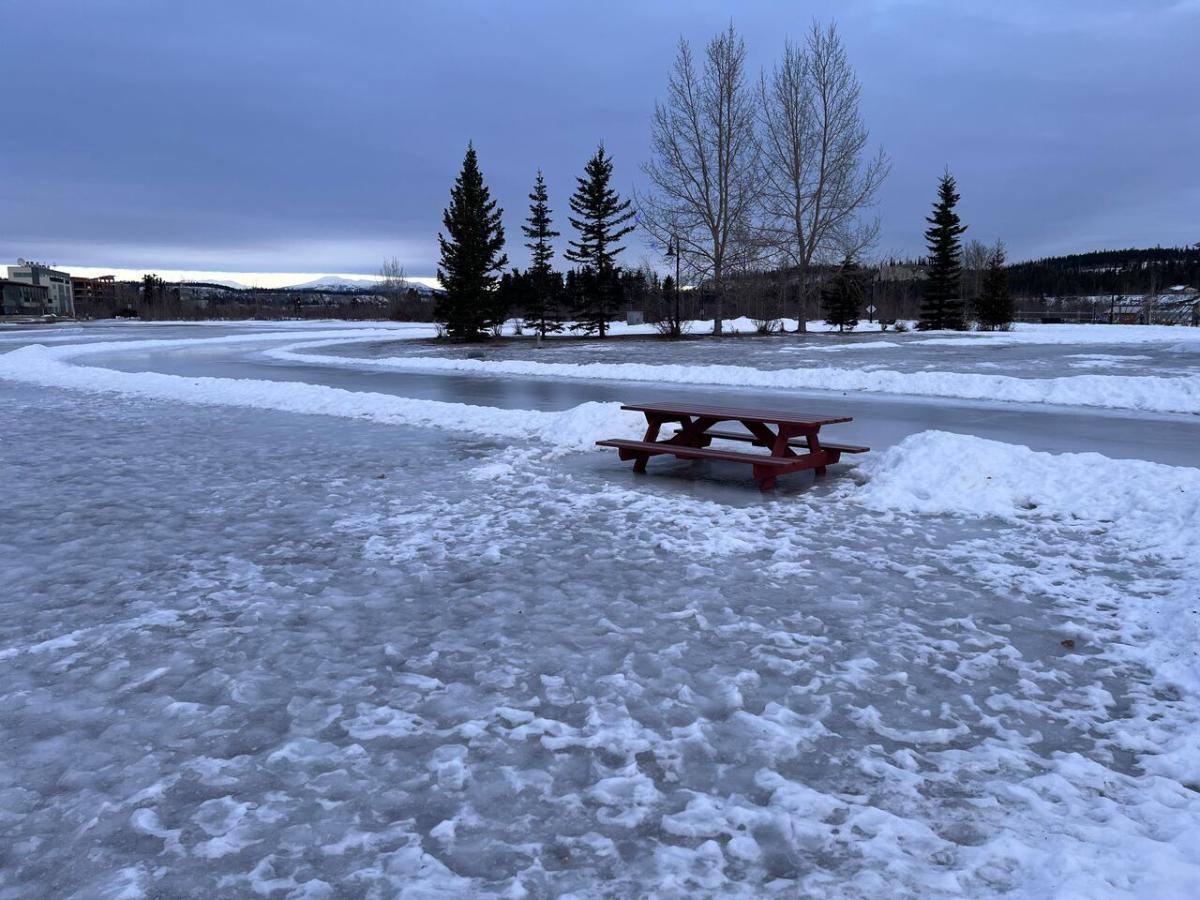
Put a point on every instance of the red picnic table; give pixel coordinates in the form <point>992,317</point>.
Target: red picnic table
<point>792,431</point>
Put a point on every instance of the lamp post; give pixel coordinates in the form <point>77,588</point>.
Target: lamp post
<point>673,251</point>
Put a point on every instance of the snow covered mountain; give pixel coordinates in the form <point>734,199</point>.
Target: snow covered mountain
<point>334,283</point>
<point>421,284</point>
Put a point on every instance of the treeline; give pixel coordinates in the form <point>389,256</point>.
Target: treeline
<point>757,196</point>
<point>747,175</point>
<point>478,299</point>
<point>1107,272</point>
<point>152,298</point>
<point>753,183</point>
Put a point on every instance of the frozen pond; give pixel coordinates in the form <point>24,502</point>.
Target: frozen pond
<point>905,352</point>
<point>246,652</point>
<point>881,420</point>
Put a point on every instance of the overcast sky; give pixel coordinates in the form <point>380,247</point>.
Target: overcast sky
<point>323,137</point>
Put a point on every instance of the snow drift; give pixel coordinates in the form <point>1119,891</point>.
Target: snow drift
<point>1151,393</point>
<point>572,429</point>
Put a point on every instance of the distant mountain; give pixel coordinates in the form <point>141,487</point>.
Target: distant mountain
<point>423,284</point>
<point>334,283</point>
<point>420,284</point>
<point>233,285</point>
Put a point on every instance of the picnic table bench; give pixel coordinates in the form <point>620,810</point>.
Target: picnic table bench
<point>792,431</point>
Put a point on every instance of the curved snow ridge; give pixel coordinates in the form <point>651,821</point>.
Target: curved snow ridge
<point>1150,393</point>
<point>572,429</point>
<point>328,335</point>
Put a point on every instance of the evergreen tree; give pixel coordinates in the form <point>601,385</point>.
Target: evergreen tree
<point>152,287</point>
<point>542,304</point>
<point>843,296</point>
<point>471,255</point>
<point>152,295</point>
<point>995,307</point>
<point>942,306</point>
<point>571,295</point>
<point>600,218</point>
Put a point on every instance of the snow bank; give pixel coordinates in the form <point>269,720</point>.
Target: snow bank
<point>1021,333</point>
<point>1180,394</point>
<point>1033,333</point>
<point>1146,508</point>
<point>573,429</point>
<point>940,472</point>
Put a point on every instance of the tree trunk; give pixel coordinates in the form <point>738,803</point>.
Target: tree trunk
<point>801,300</point>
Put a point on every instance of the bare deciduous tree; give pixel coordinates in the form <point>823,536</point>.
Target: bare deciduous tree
<point>975,258</point>
<point>393,286</point>
<point>814,143</point>
<point>704,175</point>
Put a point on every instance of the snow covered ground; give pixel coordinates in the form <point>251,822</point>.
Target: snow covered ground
<point>292,639</point>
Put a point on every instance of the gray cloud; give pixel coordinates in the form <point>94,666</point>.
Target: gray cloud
<point>322,136</point>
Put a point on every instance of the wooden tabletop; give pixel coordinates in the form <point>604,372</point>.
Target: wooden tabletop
<point>725,413</point>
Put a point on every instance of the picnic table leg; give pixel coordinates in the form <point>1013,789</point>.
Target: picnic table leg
<point>653,424</point>
<point>693,431</point>
<point>814,446</point>
<point>778,444</point>
<point>781,448</point>
<point>767,438</point>
<point>771,440</point>
<point>811,437</point>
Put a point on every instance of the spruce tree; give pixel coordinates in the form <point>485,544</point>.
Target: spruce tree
<point>542,308</point>
<point>471,255</point>
<point>152,288</point>
<point>995,307</point>
<point>843,295</point>
<point>600,218</point>
<point>942,306</point>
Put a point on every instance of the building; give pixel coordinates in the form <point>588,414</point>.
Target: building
<point>62,300</point>
<point>1178,305</point>
<point>20,299</point>
<point>93,294</point>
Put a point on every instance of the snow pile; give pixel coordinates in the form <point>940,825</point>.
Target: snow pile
<point>940,472</point>
<point>574,429</point>
<point>1150,511</point>
<point>1153,393</point>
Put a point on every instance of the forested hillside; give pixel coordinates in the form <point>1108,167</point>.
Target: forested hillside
<point>1105,272</point>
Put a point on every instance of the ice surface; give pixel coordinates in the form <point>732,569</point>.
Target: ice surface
<point>1004,366</point>
<point>573,429</point>
<point>250,651</point>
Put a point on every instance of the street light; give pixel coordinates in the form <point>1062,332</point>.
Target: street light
<point>673,251</point>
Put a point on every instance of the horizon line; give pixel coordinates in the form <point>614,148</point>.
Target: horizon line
<point>251,280</point>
